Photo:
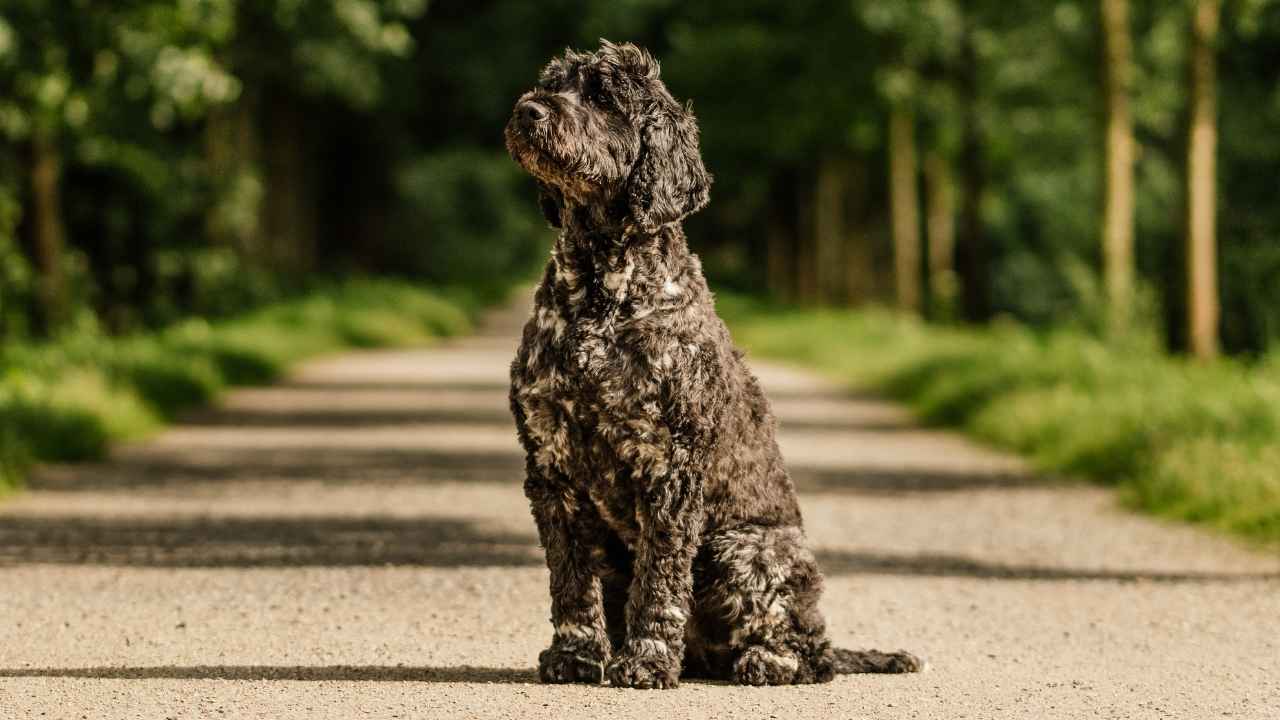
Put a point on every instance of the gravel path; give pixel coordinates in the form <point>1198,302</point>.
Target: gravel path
<point>354,543</point>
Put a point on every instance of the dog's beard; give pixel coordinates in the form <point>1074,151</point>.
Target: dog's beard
<point>522,150</point>
<point>554,172</point>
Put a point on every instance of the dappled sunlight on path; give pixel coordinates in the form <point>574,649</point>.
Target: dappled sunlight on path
<point>358,533</point>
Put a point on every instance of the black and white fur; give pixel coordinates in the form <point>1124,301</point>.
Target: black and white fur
<point>670,525</point>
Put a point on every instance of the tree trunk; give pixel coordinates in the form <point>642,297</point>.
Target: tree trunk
<point>905,204</point>
<point>805,268</point>
<point>941,229</point>
<point>1202,262</point>
<point>972,261</point>
<point>289,222</point>
<point>781,250</point>
<point>47,230</point>
<point>1117,222</point>
<point>231,149</point>
<point>859,260</point>
<point>829,229</point>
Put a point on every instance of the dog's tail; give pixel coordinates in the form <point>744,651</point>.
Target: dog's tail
<point>849,662</point>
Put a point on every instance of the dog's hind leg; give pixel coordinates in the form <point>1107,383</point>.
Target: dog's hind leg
<point>757,596</point>
<point>757,602</point>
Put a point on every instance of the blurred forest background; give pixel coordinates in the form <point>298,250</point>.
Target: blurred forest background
<point>965,159</point>
<point>1058,200</point>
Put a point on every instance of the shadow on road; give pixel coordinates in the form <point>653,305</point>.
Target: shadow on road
<point>854,480</point>
<point>340,541</point>
<point>360,418</point>
<point>363,385</point>
<point>480,413</point>
<point>156,469</point>
<point>159,469</point>
<point>337,541</point>
<point>839,562</point>
<point>164,469</point>
<point>322,673</point>
<point>839,425</point>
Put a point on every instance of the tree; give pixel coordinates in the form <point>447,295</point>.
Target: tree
<point>1202,262</point>
<point>940,222</point>
<point>46,227</point>
<point>35,72</point>
<point>159,158</point>
<point>829,230</point>
<point>95,96</point>
<point>905,205</point>
<point>308,67</point>
<point>919,40</point>
<point>972,255</point>
<point>1118,205</point>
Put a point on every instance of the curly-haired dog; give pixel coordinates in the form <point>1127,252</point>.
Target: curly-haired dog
<point>670,525</point>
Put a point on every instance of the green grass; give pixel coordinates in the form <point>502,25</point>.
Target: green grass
<point>1182,440</point>
<point>69,400</point>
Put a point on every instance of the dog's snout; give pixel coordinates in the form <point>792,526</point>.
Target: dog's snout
<point>531,112</point>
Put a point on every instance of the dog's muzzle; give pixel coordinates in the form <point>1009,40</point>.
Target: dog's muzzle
<point>529,114</point>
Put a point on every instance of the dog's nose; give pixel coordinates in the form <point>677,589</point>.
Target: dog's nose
<point>531,112</point>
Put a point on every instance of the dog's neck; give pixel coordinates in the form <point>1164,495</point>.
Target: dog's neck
<point>608,267</point>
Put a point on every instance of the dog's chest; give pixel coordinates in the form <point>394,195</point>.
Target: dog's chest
<point>591,409</point>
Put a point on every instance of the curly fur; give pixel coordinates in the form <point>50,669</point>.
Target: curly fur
<point>671,528</point>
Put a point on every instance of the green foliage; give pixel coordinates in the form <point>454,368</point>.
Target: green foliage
<point>1188,441</point>
<point>333,48</point>
<point>15,275</point>
<point>811,80</point>
<point>267,140</point>
<point>466,218</point>
<point>67,400</point>
<point>159,111</point>
<point>1250,147</point>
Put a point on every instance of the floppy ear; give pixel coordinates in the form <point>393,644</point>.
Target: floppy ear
<point>668,181</point>
<point>551,203</point>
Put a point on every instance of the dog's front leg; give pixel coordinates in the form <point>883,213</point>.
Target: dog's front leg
<point>580,645</point>
<point>670,516</point>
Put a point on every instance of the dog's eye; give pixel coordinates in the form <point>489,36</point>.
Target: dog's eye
<point>550,80</point>
<point>594,91</point>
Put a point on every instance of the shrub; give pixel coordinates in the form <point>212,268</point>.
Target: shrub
<point>1197,442</point>
<point>68,400</point>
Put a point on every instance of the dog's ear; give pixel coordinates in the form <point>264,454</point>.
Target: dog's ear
<point>668,181</point>
<point>628,59</point>
<point>551,202</point>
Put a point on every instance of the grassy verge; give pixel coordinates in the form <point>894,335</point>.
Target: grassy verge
<point>1193,442</point>
<point>68,400</point>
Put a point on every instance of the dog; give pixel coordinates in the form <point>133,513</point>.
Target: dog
<point>670,525</point>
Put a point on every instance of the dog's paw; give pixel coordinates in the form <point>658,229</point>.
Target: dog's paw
<point>759,666</point>
<point>646,671</point>
<point>558,665</point>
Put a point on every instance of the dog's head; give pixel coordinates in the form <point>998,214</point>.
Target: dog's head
<point>602,128</point>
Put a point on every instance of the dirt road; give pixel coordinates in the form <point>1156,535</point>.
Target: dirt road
<point>354,543</point>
